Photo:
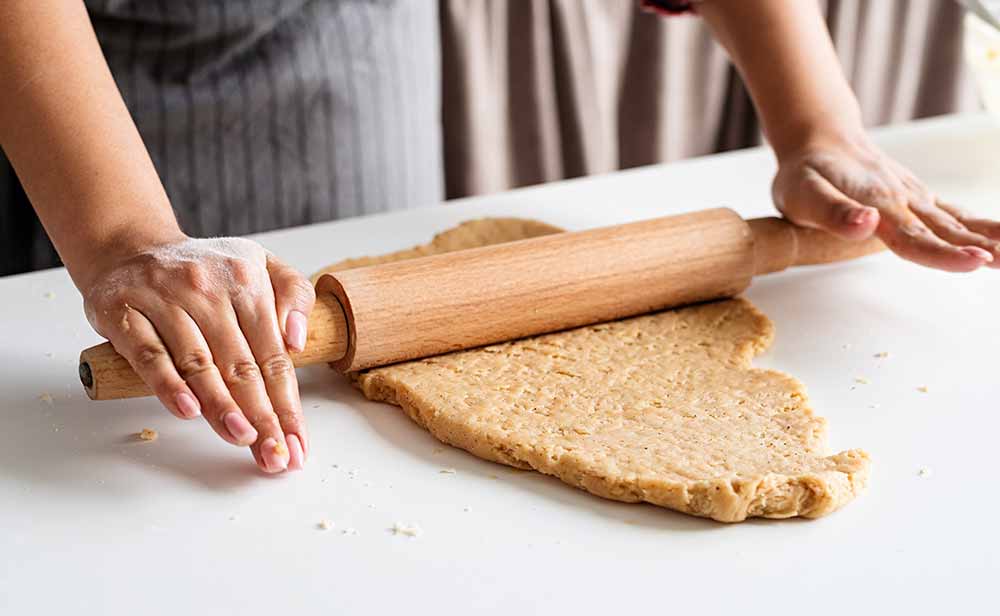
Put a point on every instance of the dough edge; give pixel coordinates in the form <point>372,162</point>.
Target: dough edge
<point>724,499</point>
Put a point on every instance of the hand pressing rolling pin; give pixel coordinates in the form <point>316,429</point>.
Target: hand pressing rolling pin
<point>830,174</point>
<point>209,323</point>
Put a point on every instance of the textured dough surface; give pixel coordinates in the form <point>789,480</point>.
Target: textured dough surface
<point>662,408</point>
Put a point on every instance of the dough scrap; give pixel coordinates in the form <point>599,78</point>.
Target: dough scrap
<point>662,408</point>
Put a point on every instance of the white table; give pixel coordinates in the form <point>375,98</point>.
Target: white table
<point>92,521</point>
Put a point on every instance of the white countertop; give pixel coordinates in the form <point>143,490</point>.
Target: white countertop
<point>94,522</point>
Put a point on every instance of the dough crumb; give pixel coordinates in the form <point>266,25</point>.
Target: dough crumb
<point>371,505</point>
<point>467,509</point>
<point>148,434</point>
<point>334,466</point>
<point>846,347</point>
<point>861,380</point>
<point>280,449</point>
<point>874,405</point>
<point>923,389</point>
<point>447,471</point>
<point>882,354</point>
<point>407,530</point>
<point>233,518</point>
<point>50,354</point>
<point>924,472</point>
<point>368,484</point>
<point>49,295</point>
<point>46,398</point>
<point>349,531</point>
<point>324,524</point>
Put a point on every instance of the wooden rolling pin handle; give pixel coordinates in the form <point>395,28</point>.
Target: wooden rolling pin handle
<point>778,245</point>
<point>106,375</point>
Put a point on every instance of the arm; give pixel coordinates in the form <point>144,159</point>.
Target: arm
<point>66,130</point>
<point>831,176</point>
<point>197,319</point>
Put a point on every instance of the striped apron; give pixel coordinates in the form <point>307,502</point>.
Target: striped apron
<point>263,114</point>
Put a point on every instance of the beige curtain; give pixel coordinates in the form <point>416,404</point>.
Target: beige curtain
<point>540,90</point>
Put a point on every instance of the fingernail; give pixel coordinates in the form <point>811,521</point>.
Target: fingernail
<point>239,427</point>
<point>295,330</point>
<point>978,253</point>
<point>187,405</point>
<point>859,216</point>
<point>274,454</point>
<point>296,458</point>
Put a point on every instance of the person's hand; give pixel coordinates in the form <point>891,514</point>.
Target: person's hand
<point>207,324</point>
<point>850,188</point>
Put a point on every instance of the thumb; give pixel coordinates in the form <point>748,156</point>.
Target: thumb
<point>815,202</point>
<point>293,298</point>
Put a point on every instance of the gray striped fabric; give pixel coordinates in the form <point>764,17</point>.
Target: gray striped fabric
<point>261,114</point>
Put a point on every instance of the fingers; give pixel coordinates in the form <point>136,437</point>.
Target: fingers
<point>982,226</point>
<point>199,322</point>
<point>137,340</point>
<point>243,378</point>
<point>814,202</point>
<point>195,363</point>
<point>294,298</point>
<point>258,319</point>
<point>907,236</point>
<point>949,229</point>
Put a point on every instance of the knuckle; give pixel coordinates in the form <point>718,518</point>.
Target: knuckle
<point>242,272</point>
<point>913,232</point>
<point>953,226</point>
<point>276,366</point>
<point>266,423</point>
<point>193,363</point>
<point>289,417</point>
<point>157,277</point>
<point>197,278</point>
<point>877,193</point>
<point>301,288</point>
<point>147,356</point>
<point>241,372</point>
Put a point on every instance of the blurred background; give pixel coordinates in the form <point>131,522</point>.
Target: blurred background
<point>534,91</point>
<point>573,88</point>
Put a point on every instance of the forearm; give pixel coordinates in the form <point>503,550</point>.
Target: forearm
<point>69,136</point>
<point>784,53</point>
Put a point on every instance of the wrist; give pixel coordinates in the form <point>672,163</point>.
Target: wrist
<point>789,137</point>
<point>113,246</point>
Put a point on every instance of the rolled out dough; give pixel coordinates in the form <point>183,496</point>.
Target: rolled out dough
<point>662,408</point>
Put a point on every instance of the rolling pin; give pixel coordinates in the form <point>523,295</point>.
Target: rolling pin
<point>383,314</point>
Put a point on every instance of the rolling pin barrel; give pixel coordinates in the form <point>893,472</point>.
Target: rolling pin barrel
<point>393,312</point>
<point>459,300</point>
